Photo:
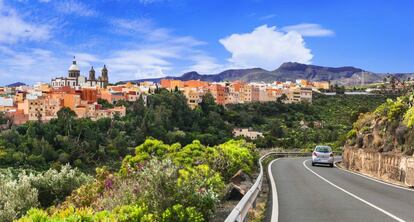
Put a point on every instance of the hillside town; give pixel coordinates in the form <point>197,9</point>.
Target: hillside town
<point>240,92</point>
<point>81,94</point>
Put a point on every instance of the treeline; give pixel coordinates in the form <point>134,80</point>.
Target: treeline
<point>85,143</point>
<point>302,126</point>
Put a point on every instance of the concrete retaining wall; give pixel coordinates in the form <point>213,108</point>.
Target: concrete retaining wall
<point>387,167</point>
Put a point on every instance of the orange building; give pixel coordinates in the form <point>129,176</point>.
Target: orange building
<point>18,117</point>
<point>255,93</point>
<point>90,95</point>
<point>132,96</point>
<point>237,86</point>
<point>112,97</point>
<point>322,85</point>
<point>171,83</point>
<point>246,93</point>
<point>71,100</point>
<point>194,97</point>
<point>195,84</point>
<point>218,92</point>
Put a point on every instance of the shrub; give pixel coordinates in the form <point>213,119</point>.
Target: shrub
<point>178,213</point>
<point>235,155</point>
<point>409,117</point>
<point>26,190</point>
<point>365,129</point>
<point>16,196</point>
<point>351,134</point>
<point>393,110</point>
<point>151,148</point>
<point>133,213</point>
<point>87,194</point>
<point>54,185</point>
<point>199,187</point>
<point>161,184</point>
<point>364,120</point>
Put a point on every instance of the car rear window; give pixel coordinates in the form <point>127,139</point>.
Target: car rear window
<point>323,149</point>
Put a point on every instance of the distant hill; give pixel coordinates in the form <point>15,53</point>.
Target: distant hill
<point>289,71</point>
<point>16,84</point>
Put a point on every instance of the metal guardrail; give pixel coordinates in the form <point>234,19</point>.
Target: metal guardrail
<point>239,213</point>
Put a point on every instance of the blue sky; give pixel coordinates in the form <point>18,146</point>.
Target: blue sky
<point>154,38</point>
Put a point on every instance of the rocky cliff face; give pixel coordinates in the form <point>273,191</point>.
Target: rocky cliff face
<point>381,143</point>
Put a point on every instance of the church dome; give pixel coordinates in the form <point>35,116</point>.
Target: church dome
<point>74,66</point>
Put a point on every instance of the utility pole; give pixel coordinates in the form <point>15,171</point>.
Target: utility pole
<point>362,79</point>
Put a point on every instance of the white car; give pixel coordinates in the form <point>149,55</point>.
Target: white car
<point>322,155</point>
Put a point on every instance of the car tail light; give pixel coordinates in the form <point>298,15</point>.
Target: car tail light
<point>314,154</point>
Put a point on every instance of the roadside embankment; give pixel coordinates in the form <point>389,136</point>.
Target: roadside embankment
<point>389,167</point>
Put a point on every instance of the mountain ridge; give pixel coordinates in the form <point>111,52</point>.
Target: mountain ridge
<point>289,71</point>
<point>16,84</point>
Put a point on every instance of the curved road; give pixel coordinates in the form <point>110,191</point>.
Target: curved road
<point>306,193</point>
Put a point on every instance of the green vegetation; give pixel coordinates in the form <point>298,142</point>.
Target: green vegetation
<point>160,182</point>
<point>388,128</point>
<point>23,190</point>
<point>326,121</point>
<point>181,179</point>
<point>105,104</point>
<point>87,144</point>
<point>3,118</point>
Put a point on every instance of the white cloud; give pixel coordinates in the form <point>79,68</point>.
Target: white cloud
<point>309,29</point>
<point>140,63</point>
<point>204,64</point>
<point>84,60</point>
<point>29,65</point>
<point>266,47</point>
<point>145,27</point>
<point>147,30</point>
<point>75,8</point>
<point>14,28</point>
<point>266,17</point>
<point>157,54</point>
<point>84,56</point>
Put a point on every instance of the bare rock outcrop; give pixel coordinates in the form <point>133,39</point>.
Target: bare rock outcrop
<point>240,183</point>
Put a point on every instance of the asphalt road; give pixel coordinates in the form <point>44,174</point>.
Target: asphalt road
<point>306,193</point>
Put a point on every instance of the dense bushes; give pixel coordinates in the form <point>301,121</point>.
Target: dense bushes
<point>121,214</point>
<point>25,190</point>
<point>137,213</point>
<point>160,182</point>
<point>388,128</point>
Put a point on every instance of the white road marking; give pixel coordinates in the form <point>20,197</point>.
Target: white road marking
<point>354,196</point>
<point>275,201</point>
<point>376,180</point>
